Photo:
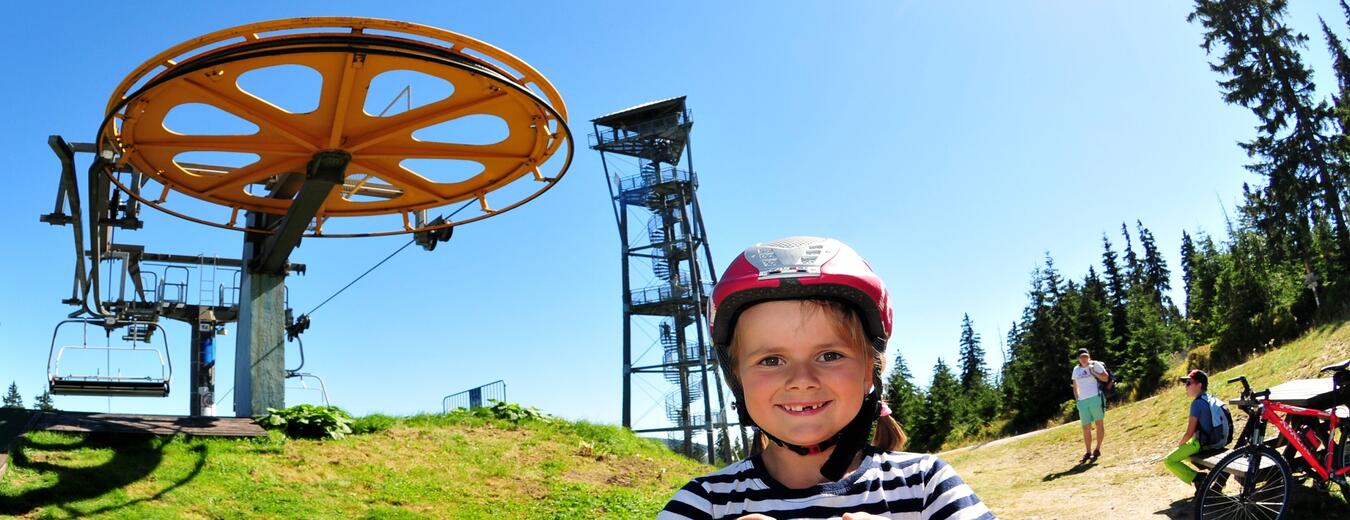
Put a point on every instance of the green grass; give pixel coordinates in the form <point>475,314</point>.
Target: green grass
<point>427,466</point>
<point>1038,476</point>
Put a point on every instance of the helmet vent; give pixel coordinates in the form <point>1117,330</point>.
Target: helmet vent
<point>795,242</point>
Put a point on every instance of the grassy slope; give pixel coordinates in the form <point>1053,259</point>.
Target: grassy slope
<point>1037,476</point>
<point>424,467</point>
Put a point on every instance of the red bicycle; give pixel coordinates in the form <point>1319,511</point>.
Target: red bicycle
<point>1315,439</point>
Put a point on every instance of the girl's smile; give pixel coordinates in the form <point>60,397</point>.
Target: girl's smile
<point>804,408</point>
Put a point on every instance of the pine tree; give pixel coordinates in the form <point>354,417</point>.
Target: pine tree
<point>939,411</point>
<point>43,402</point>
<point>1117,284</point>
<point>1263,71</point>
<point>1010,382</point>
<point>1133,271</point>
<point>1202,264</point>
<point>1155,275</point>
<point>1092,319</point>
<point>1152,339</point>
<point>974,373</point>
<point>12,398</point>
<point>1039,353</point>
<point>904,397</point>
<point>1188,259</point>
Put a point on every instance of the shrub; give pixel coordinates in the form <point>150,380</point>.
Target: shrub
<point>515,413</point>
<point>309,422</point>
<point>373,423</point>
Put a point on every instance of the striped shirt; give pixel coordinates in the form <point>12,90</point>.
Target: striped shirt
<point>890,484</point>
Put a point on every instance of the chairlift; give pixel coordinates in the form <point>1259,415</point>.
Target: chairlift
<point>302,376</point>
<point>293,331</point>
<point>111,384</point>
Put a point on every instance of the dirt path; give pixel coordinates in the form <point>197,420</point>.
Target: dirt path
<point>1000,442</point>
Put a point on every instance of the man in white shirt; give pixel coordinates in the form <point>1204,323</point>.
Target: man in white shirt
<point>1087,377</point>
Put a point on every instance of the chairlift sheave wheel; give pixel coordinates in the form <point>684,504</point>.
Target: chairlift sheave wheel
<point>347,53</point>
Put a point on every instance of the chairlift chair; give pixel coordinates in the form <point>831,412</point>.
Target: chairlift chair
<point>293,333</point>
<point>302,376</point>
<point>110,385</point>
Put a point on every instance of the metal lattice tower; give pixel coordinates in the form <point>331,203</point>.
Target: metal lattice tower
<point>667,270</point>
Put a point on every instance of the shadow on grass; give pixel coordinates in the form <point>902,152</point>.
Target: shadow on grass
<point>134,458</point>
<point>1076,469</point>
<point>1305,502</point>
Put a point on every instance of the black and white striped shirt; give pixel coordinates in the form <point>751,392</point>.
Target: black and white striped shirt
<point>891,484</point>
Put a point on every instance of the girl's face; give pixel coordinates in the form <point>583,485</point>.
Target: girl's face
<point>803,382</point>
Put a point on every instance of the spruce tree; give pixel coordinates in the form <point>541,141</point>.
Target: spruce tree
<point>1117,286</point>
<point>1155,275</point>
<point>1188,258</point>
<point>1258,56</point>
<point>1092,319</point>
<point>1133,271</point>
<point>939,411</point>
<point>1152,339</point>
<point>974,373</point>
<point>904,397</point>
<point>43,402</point>
<point>1040,355</point>
<point>12,398</point>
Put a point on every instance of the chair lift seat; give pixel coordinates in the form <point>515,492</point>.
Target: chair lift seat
<point>105,386</point>
<point>108,385</point>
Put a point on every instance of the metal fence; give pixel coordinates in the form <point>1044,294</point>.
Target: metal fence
<point>475,397</point>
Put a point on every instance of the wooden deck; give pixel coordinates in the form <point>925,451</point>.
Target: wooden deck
<point>79,422</point>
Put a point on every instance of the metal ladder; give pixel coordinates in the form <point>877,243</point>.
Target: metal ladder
<point>206,282</point>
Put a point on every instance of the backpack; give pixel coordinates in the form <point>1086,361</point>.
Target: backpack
<point>1107,387</point>
<point>1221,435</point>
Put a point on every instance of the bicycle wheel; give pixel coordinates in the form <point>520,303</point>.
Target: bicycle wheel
<point>1233,491</point>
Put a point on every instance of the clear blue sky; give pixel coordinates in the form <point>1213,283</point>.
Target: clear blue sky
<point>952,143</point>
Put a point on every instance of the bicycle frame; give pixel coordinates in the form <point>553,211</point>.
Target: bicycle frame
<point>1270,414</point>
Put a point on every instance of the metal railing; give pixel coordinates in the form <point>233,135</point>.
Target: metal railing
<point>475,397</point>
<point>665,293</point>
<point>610,135</point>
<point>653,177</point>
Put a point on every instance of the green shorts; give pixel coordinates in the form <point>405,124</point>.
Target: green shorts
<point>1090,410</point>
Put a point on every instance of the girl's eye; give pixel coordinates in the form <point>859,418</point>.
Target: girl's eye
<point>831,356</point>
<point>771,361</point>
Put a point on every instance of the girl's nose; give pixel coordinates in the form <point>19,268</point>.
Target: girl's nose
<point>802,376</point>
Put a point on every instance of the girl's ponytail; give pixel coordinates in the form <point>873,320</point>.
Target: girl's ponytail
<point>889,436</point>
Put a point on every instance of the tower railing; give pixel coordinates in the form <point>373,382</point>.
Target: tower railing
<point>665,293</point>
<point>654,177</point>
<point>648,127</point>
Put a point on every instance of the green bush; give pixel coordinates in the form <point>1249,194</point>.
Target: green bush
<point>309,422</point>
<point>499,411</point>
<point>373,423</point>
<point>515,413</point>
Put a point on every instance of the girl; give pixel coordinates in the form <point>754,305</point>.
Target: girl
<point>800,328</point>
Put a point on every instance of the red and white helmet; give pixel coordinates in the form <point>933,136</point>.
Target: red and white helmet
<point>802,268</point>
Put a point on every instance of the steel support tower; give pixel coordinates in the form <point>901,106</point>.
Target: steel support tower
<point>668,273</point>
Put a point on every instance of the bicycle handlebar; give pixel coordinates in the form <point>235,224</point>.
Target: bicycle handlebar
<point>1246,388</point>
